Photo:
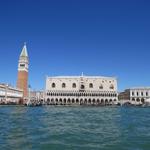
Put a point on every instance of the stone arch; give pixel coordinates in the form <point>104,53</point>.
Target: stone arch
<point>68,101</point>
<point>73,85</point>
<point>53,85</point>
<point>82,86</point>
<point>52,100</point>
<point>64,101</point>
<point>56,100</point>
<point>85,101</point>
<point>115,100</point>
<point>142,100</point>
<point>60,100</point>
<point>98,101</point>
<point>89,101</point>
<point>73,101</point>
<point>138,99</point>
<point>106,101</point>
<point>77,100</point>
<point>63,85</point>
<point>48,101</point>
<point>81,101</point>
<point>91,85</point>
<point>110,101</point>
<point>93,101</point>
<point>102,101</point>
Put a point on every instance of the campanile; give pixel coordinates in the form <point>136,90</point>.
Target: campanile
<point>22,81</point>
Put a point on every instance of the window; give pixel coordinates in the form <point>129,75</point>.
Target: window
<point>53,85</point>
<point>137,93</point>
<point>74,85</point>
<point>82,86</point>
<point>22,65</point>
<point>90,85</point>
<point>146,93</point>
<point>142,93</point>
<point>132,93</point>
<point>63,85</point>
<point>111,86</point>
<point>101,86</point>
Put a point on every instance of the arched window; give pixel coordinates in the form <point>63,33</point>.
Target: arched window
<point>89,101</point>
<point>82,86</point>
<point>91,85</point>
<point>53,85</point>
<point>98,101</point>
<point>64,100</point>
<point>73,100</point>
<point>141,93</point>
<point>63,85</point>
<point>111,86</point>
<point>142,100</point>
<point>101,86</point>
<point>74,85</point>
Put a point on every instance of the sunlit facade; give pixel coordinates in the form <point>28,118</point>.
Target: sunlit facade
<point>81,90</point>
<point>10,94</point>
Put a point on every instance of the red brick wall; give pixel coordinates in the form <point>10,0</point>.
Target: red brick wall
<point>22,82</point>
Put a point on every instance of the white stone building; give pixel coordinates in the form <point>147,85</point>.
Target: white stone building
<point>10,94</point>
<point>81,90</point>
<point>36,95</point>
<point>136,95</point>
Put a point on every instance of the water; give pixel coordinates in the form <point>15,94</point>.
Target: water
<point>74,128</point>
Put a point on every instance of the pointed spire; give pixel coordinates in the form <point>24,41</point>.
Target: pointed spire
<point>24,52</point>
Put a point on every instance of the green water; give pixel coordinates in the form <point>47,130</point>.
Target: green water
<point>74,128</point>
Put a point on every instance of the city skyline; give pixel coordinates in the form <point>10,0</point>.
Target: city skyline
<point>68,38</point>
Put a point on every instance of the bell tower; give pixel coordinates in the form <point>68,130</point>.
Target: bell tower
<point>22,81</point>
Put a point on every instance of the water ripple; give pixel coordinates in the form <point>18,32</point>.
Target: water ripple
<point>75,128</point>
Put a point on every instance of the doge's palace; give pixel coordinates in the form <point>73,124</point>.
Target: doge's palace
<point>81,90</point>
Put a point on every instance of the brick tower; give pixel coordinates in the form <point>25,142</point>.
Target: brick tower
<point>22,81</point>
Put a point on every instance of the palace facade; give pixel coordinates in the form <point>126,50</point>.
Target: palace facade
<point>81,90</point>
<point>135,96</point>
<point>9,94</point>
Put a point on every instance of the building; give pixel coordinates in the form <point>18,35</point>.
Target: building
<point>81,90</point>
<point>36,95</point>
<point>22,82</point>
<point>9,94</point>
<point>135,95</point>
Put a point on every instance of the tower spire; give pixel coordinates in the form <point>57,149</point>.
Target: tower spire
<point>22,82</point>
<point>24,52</point>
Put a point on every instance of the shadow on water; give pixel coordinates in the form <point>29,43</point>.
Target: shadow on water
<point>59,127</point>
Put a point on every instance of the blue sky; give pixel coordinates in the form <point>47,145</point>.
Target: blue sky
<point>67,37</point>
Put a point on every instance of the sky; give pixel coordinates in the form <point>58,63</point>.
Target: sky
<point>68,37</point>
